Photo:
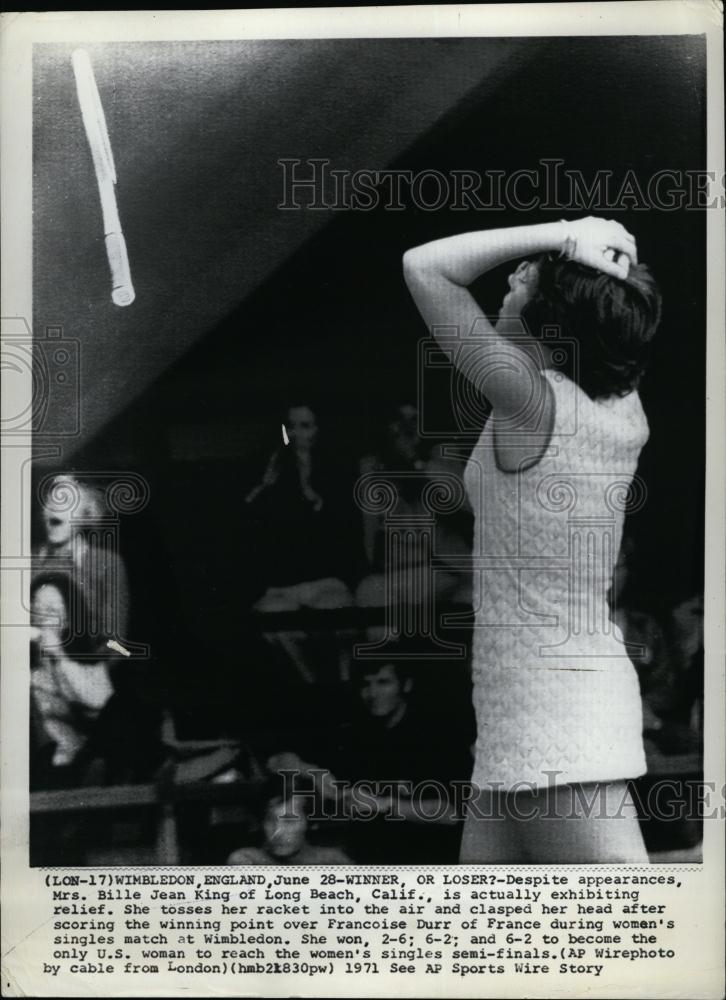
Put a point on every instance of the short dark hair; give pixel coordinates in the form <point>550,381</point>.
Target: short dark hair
<point>612,320</point>
<point>366,668</point>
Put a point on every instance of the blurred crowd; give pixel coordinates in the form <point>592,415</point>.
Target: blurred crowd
<point>377,742</point>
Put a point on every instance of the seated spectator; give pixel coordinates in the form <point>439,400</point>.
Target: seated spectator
<point>301,513</point>
<point>394,768</point>
<point>402,450</point>
<point>686,630</point>
<point>667,645</point>
<point>285,828</point>
<point>72,519</point>
<point>67,696</point>
<point>69,510</point>
<point>675,685</point>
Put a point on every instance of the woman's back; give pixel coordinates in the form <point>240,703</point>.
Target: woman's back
<point>547,538</point>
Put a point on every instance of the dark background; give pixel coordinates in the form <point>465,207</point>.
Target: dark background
<point>241,308</point>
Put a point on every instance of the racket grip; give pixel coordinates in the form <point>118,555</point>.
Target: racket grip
<point>122,289</point>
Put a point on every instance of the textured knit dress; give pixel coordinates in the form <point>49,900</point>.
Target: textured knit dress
<point>556,697</point>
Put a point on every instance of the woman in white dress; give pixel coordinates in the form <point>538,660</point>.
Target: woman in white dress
<point>556,697</point>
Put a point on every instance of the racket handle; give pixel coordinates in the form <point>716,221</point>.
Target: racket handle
<point>122,289</point>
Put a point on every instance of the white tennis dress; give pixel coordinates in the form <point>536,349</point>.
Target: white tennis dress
<point>556,697</point>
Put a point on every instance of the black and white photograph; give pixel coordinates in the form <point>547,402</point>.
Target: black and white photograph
<point>298,515</point>
<point>363,476</point>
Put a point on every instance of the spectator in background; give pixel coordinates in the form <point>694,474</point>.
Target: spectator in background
<point>394,767</point>
<point>686,631</point>
<point>667,645</point>
<point>402,450</point>
<point>671,674</point>
<point>91,578</point>
<point>67,694</point>
<point>285,827</point>
<point>301,509</point>
<point>69,511</point>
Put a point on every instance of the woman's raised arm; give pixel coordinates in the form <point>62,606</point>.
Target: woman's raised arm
<point>438,275</point>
